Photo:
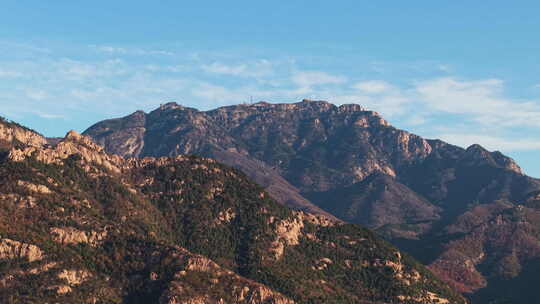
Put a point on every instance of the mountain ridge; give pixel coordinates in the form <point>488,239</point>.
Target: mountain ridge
<point>80,225</point>
<point>324,151</point>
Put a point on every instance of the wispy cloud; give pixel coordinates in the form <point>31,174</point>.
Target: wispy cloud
<point>445,68</point>
<point>130,51</point>
<point>258,68</point>
<point>416,120</point>
<point>219,94</point>
<point>481,100</point>
<point>113,81</point>
<point>49,115</point>
<point>372,86</point>
<point>9,74</point>
<point>313,78</point>
<point>492,142</point>
<point>37,95</point>
<point>22,47</point>
<point>178,68</point>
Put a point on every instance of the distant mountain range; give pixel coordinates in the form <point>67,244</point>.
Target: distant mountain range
<point>470,214</point>
<point>78,225</point>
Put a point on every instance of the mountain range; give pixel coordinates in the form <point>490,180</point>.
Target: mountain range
<point>79,225</point>
<point>469,214</point>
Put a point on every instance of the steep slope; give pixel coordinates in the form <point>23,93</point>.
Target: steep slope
<point>497,242</point>
<point>81,226</point>
<point>347,160</point>
<point>382,203</point>
<point>15,135</point>
<point>175,130</point>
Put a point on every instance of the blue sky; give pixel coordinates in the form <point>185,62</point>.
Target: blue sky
<point>463,71</point>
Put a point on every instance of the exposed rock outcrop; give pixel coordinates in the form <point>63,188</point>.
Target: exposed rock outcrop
<point>74,277</point>
<point>72,144</point>
<point>289,231</point>
<point>11,249</point>
<point>70,235</point>
<point>239,290</point>
<point>11,134</point>
<point>42,189</point>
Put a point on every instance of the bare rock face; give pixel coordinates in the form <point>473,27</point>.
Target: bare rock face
<point>11,133</point>
<point>130,143</point>
<point>477,155</point>
<point>72,144</point>
<point>70,235</point>
<point>34,187</point>
<point>74,277</point>
<point>288,234</point>
<point>11,249</point>
<point>290,231</point>
<point>240,290</point>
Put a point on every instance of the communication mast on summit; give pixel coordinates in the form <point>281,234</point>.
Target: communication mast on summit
<point>250,102</point>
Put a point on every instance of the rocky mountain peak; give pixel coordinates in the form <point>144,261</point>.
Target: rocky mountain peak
<point>476,149</point>
<point>320,105</point>
<point>261,104</point>
<point>73,143</point>
<point>351,108</point>
<point>477,153</point>
<point>73,135</point>
<point>170,106</point>
<point>506,162</point>
<point>75,138</point>
<point>14,134</point>
<point>138,113</point>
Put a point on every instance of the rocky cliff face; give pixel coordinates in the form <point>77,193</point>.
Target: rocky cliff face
<point>13,134</point>
<point>81,226</point>
<point>346,160</point>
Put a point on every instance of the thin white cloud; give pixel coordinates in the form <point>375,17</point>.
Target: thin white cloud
<point>23,47</point>
<point>312,78</point>
<point>218,94</point>
<point>454,96</point>
<point>36,94</point>
<point>49,115</point>
<point>492,142</point>
<point>110,49</point>
<point>258,68</point>
<point>167,68</point>
<point>53,86</point>
<point>481,100</point>
<point>445,68</point>
<point>130,51</point>
<point>418,67</point>
<point>373,86</point>
<point>390,106</point>
<point>218,68</point>
<point>9,74</point>
<point>416,120</point>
